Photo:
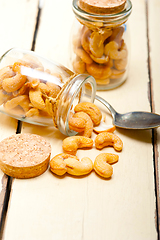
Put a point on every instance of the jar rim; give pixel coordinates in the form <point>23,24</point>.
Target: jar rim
<point>116,17</point>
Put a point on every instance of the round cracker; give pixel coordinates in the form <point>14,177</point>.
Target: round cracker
<point>102,6</point>
<point>24,155</point>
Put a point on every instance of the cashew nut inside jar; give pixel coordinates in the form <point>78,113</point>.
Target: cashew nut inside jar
<point>100,43</point>
<point>38,91</point>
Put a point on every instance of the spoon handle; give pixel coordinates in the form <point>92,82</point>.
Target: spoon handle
<point>106,104</point>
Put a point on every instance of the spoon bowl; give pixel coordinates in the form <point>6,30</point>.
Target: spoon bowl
<point>132,120</point>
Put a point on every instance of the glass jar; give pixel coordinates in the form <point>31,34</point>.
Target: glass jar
<point>100,45</point>
<point>38,91</point>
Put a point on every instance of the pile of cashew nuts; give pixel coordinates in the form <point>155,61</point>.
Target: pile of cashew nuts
<point>26,96</point>
<point>86,117</point>
<point>31,97</point>
<point>102,54</point>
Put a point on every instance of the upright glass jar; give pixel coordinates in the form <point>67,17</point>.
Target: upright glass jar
<point>38,91</point>
<point>100,45</point>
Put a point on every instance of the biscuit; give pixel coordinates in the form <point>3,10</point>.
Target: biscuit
<point>101,6</point>
<point>24,155</point>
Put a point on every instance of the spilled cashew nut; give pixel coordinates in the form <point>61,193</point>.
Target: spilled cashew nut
<point>105,139</point>
<point>103,127</point>
<point>71,144</point>
<point>76,123</point>
<point>57,164</point>
<point>62,163</point>
<point>91,109</point>
<point>79,168</point>
<point>87,132</point>
<point>102,164</point>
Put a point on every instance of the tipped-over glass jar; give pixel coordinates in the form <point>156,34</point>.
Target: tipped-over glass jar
<point>38,91</point>
<point>100,43</point>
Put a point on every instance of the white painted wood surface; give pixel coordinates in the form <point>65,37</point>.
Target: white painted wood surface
<point>68,208</point>
<point>154,37</point>
<point>17,23</point>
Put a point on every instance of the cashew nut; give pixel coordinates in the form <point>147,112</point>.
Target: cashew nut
<point>117,73</point>
<point>22,101</point>
<point>87,132</point>
<point>91,109</point>
<point>53,89</point>
<point>103,81</point>
<point>120,64</point>
<point>112,50</point>
<point>62,163</point>
<point>102,164</point>
<point>32,112</point>
<point>77,124</point>
<point>103,127</point>
<point>96,44</point>
<point>79,66</point>
<point>6,72</point>
<point>57,164</point>
<point>83,55</point>
<point>4,96</point>
<point>78,168</point>
<point>85,38</point>
<point>117,35</point>
<point>35,96</point>
<point>14,83</point>
<point>71,144</point>
<point>101,60</point>
<point>99,71</point>
<point>105,139</point>
<point>17,66</point>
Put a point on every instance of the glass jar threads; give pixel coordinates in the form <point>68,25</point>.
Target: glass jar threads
<point>100,41</point>
<point>38,91</point>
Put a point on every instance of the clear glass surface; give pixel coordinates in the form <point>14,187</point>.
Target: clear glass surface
<point>38,91</point>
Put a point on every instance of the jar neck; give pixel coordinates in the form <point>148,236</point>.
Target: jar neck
<point>82,88</point>
<point>103,20</point>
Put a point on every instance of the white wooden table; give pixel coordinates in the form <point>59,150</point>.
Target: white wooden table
<point>127,207</point>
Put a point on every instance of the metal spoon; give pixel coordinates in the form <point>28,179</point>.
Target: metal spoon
<point>132,120</point>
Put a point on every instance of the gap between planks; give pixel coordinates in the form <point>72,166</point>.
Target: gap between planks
<point>154,131</point>
<point>6,180</point>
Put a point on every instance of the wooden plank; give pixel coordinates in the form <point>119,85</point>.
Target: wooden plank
<point>54,32</point>
<point>17,23</point>
<point>154,37</point>
<point>90,207</point>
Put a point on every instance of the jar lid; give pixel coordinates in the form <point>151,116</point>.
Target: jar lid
<point>102,6</point>
<point>94,20</point>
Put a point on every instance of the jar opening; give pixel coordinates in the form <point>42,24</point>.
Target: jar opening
<point>82,88</point>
